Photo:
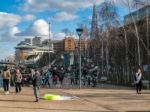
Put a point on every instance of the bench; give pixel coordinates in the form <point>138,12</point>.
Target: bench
<point>103,79</point>
<point>146,83</point>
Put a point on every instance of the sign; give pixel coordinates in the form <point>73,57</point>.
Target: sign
<point>71,58</point>
<point>66,59</point>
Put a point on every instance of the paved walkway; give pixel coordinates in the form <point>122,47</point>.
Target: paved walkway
<point>88,100</point>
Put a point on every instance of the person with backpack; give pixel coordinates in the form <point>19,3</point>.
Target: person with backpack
<point>138,81</point>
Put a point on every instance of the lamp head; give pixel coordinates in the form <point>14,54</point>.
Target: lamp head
<point>79,31</point>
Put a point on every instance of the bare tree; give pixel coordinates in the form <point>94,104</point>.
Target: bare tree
<point>67,32</point>
<point>108,17</point>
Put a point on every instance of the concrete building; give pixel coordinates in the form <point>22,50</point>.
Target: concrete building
<point>58,46</point>
<point>25,50</point>
<point>28,40</point>
<point>138,15</point>
<point>30,53</point>
<point>69,44</point>
<point>36,41</point>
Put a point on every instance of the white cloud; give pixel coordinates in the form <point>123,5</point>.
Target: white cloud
<point>132,3</point>
<point>39,28</point>
<point>59,36</point>
<point>64,16</point>
<point>65,5</point>
<point>10,57</point>
<point>66,8</point>
<point>62,35</point>
<point>30,1</point>
<point>28,17</point>
<point>9,35</point>
<point>8,25</point>
<point>8,20</point>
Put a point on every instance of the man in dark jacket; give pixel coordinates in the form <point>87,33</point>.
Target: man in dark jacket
<point>36,83</point>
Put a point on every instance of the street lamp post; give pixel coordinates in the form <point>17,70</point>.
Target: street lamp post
<point>79,32</point>
<point>49,44</point>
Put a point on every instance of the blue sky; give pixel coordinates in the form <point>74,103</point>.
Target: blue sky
<point>29,18</point>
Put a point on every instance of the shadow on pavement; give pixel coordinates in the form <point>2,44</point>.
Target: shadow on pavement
<point>49,109</point>
<point>16,101</point>
<point>145,92</point>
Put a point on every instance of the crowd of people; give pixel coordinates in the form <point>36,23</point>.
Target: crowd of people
<point>15,76</point>
<point>45,77</point>
<point>54,75</point>
<point>59,75</point>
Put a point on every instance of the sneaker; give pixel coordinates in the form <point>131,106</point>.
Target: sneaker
<point>36,100</point>
<point>5,93</point>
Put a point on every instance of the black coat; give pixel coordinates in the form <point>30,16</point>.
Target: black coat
<point>36,80</point>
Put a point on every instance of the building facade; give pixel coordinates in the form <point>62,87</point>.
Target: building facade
<point>138,15</point>
<point>36,41</point>
<point>25,50</point>
<point>58,46</point>
<point>69,44</point>
<point>22,51</point>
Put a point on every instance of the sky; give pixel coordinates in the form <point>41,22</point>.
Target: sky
<point>21,19</point>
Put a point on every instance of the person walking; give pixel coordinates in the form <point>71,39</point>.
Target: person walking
<point>61,75</point>
<point>138,81</point>
<point>6,80</point>
<point>18,79</point>
<point>1,79</point>
<point>72,78</point>
<point>54,75</point>
<point>47,78</point>
<point>36,83</point>
<point>94,78</point>
<point>55,79</point>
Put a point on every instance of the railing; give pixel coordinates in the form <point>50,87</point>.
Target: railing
<point>146,83</point>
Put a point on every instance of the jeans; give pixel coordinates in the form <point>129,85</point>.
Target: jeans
<point>36,92</point>
<point>138,87</point>
<point>6,84</point>
<point>18,87</point>
<point>55,82</point>
<point>46,82</point>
